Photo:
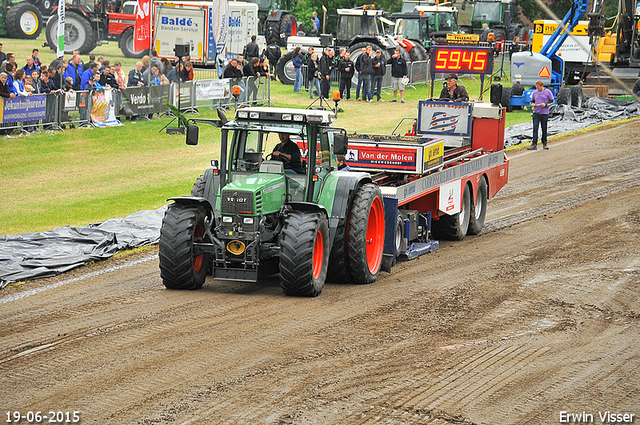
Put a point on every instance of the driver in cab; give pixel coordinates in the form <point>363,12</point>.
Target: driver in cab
<point>452,92</point>
<point>287,152</point>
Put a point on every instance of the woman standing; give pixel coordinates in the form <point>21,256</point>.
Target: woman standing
<point>297,66</point>
<point>313,74</point>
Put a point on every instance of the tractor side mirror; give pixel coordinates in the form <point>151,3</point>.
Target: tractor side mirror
<point>340,144</point>
<point>192,134</point>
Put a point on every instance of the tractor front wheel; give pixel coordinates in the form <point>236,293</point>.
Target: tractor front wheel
<point>180,266</point>
<point>304,254</point>
<point>366,234</point>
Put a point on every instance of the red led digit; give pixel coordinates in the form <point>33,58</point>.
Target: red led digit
<point>454,58</point>
<point>480,62</point>
<point>441,62</point>
<point>467,58</point>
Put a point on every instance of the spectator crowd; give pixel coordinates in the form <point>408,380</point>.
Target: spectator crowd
<point>74,74</point>
<point>369,69</point>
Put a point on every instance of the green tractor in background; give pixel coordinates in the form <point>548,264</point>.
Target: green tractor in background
<point>20,19</point>
<point>247,218</point>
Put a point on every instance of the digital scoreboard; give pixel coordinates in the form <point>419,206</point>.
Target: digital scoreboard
<point>461,60</point>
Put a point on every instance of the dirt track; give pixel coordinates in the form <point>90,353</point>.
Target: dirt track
<point>538,315</point>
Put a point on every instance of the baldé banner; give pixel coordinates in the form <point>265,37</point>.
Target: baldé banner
<point>21,109</point>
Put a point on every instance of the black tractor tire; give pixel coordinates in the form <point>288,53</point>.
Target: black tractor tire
<point>479,210</point>
<point>499,34</point>
<point>182,225</point>
<point>418,52</point>
<point>404,54</point>
<point>506,98</point>
<point>272,32</point>
<point>366,234</point>
<point>285,71</point>
<point>564,96</point>
<point>338,271</point>
<point>304,254</point>
<point>24,21</point>
<point>517,90</point>
<point>576,96</point>
<point>399,243</point>
<point>199,187</point>
<point>78,34</point>
<point>454,227</point>
<point>46,7</point>
<point>126,44</point>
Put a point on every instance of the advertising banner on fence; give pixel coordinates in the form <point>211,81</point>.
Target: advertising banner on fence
<point>144,100</point>
<point>103,113</point>
<point>212,89</point>
<point>20,109</point>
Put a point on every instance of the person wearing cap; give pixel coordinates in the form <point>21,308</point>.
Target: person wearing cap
<point>453,92</point>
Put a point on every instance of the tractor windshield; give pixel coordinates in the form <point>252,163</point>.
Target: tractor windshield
<point>411,28</point>
<point>487,11</point>
<point>251,147</point>
<point>447,22</point>
<point>351,26</point>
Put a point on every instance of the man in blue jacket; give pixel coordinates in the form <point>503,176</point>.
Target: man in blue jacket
<point>73,71</point>
<point>88,74</point>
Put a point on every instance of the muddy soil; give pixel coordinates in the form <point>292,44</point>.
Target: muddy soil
<point>536,318</point>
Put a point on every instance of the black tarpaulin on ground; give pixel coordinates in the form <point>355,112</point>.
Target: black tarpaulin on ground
<point>564,119</point>
<point>36,255</point>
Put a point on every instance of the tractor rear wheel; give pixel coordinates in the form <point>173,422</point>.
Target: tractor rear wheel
<point>23,20</point>
<point>304,254</point>
<point>285,71</point>
<point>180,268</point>
<point>479,210</point>
<point>78,33</point>
<point>127,43</point>
<point>366,234</point>
<point>454,227</point>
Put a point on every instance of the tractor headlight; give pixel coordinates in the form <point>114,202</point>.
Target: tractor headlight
<point>243,114</point>
<point>248,220</point>
<point>254,115</point>
<point>286,117</point>
<point>298,117</point>
<point>227,219</point>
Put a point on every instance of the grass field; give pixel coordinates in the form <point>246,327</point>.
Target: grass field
<point>85,176</point>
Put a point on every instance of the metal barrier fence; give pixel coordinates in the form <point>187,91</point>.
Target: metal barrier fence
<point>418,73</point>
<point>219,93</point>
<point>56,111</point>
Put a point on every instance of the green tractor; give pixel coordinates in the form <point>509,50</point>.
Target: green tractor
<point>20,19</point>
<point>247,218</point>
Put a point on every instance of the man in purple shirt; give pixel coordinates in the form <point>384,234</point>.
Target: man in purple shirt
<point>541,98</point>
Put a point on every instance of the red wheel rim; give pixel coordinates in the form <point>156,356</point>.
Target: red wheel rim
<point>198,260</point>
<point>375,235</point>
<point>318,255</point>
